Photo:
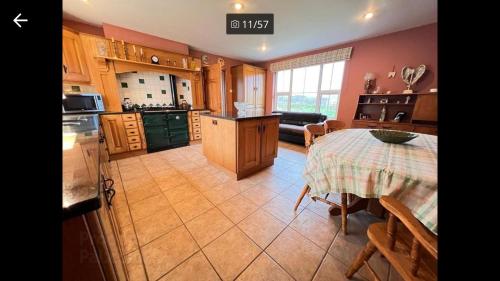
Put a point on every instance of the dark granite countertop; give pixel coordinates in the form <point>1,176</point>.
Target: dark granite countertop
<point>81,180</point>
<point>149,110</point>
<point>236,117</point>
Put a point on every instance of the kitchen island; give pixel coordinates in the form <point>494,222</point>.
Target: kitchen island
<point>243,145</point>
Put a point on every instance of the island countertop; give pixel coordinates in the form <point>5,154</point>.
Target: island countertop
<point>236,117</point>
<point>80,165</point>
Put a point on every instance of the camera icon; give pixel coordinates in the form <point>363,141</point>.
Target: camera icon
<point>235,24</point>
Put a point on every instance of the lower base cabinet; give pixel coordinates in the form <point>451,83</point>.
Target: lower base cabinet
<point>243,146</point>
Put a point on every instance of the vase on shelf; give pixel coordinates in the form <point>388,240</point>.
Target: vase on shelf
<point>382,114</point>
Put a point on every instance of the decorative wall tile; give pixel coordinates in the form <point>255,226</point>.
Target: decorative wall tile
<point>152,90</point>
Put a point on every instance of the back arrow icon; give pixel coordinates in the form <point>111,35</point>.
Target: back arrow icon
<point>17,20</point>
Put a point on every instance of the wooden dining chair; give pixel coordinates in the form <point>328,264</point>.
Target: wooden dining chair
<point>311,132</point>
<point>409,247</point>
<point>333,125</point>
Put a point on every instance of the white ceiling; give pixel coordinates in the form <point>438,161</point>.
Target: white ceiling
<point>299,25</point>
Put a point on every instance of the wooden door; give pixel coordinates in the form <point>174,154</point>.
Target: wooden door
<point>249,78</point>
<point>260,91</point>
<point>270,132</point>
<point>249,141</point>
<point>425,108</point>
<point>74,65</point>
<point>197,91</point>
<point>114,132</point>
<point>214,87</point>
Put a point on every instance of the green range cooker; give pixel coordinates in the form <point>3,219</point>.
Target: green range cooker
<point>165,129</point>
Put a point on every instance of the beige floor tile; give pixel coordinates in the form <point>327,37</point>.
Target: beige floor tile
<point>154,226</point>
<point>296,254</point>
<point>192,208</point>
<point>141,193</point>
<point>173,182</point>
<point>260,177</point>
<point>261,227</point>
<point>135,268</point>
<point>133,172</point>
<point>282,208</point>
<point>220,194</point>
<point>264,269</point>
<point>293,192</point>
<point>123,216</point>
<point>259,195</point>
<point>346,247</point>
<point>276,184</point>
<point>315,228</point>
<point>139,182</point>
<point>164,175</point>
<point>196,268</point>
<point>148,206</point>
<point>208,226</point>
<point>231,253</point>
<point>333,269</point>
<point>180,193</point>
<point>129,240</point>
<point>237,208</point>
<point>206,183</point>
<point>168,251</point>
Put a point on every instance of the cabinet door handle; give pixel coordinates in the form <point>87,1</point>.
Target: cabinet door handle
<point>263,128</point>
<point>258,129</point>
<point>65,68</point>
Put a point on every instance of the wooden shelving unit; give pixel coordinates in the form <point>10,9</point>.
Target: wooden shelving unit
<point>148,64</point>
<point>421,112</point>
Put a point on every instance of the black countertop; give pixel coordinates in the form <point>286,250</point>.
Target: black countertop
<point>151,110</point>
<point>81,180</point>
<point>236,117</point>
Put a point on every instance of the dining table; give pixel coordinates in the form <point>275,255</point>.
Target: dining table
<point>352,161</point>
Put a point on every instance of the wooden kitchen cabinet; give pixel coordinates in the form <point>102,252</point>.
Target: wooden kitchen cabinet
<point>74,65</point>
<point>269,144</point>
<point>248,84</point>
<point>197,91</point>
<point>244,146</point>
<point>426,108</point>
<point>249,144</point>
<point>115,134</point>
<point>123,132</point>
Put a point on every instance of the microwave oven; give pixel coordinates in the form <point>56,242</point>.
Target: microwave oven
<point>78,103</point>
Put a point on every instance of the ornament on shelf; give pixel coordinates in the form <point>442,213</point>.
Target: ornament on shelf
<point>382,114</point>
<point>369,81</point>
<point>411,75</point>
<point>392,74</point>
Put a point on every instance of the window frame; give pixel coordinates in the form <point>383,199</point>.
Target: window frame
<point>319,94</point>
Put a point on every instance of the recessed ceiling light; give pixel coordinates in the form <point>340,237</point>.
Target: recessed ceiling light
<point>263,48</point>
<point>238,6</point>
<point>368,16</point>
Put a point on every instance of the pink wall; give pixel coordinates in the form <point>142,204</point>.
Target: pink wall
<point>83,27</point>
<point>139,38</point>
<point>410,47</point>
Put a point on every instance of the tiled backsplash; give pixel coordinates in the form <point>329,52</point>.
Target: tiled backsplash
<point>145,88</point>
<point>184,90</point>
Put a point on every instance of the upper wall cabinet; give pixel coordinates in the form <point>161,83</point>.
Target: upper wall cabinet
<point>74,65</point>
<point>248,84</point>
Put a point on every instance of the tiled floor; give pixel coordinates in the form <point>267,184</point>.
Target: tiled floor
<point>182,218</point>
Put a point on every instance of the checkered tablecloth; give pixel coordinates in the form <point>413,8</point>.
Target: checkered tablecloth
<point>353,161</point>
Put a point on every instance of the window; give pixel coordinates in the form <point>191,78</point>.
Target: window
<point>313,88</point>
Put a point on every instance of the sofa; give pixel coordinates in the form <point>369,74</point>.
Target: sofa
<point>291,128</point>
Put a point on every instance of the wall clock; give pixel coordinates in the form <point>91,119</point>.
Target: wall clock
<point>155,59</point>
